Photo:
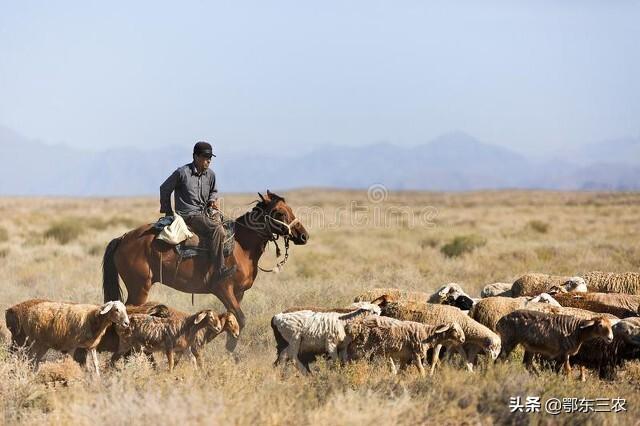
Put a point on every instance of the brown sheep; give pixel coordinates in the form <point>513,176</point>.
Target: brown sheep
<point>63,326</point>
<point>170,335</point>
<point>402,341</point>
<point>477,336</point>
<point>620,305</point>
<point>611,282</point>
<point>536,283</point>
<point>551,335</point>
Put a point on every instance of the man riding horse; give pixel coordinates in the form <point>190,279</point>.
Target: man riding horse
<point>196,196</point>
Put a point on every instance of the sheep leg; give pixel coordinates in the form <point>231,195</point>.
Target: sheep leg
<point>567,366</point>
<point>292,353</point>
<point>583,373</point>
<point>36,352</point>
<point>170,359</point>
<point>464,356</point>
<point>528,360</point>
<point>418,360</point>
<point>394,369</point>
<point>198,357</point>
<point>434,358</point>
<point>80,356</point>
<point>94,357</point>
<point>472,356</point>
<point>332,350</point>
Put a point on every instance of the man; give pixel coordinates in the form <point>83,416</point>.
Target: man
<point>196,196</point>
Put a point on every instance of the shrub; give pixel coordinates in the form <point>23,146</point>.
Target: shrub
<point>4,235</point>
<point>462,244</point>
<point>539,226</point>
<point>65,231</point>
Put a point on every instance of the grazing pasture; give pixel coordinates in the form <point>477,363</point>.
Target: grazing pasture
<point>51,248</point>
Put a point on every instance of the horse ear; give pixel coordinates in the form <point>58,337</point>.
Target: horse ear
<point>261,197</point>
<point>269,192</point>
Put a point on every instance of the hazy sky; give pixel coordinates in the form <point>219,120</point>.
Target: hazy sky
<point>251,74</point>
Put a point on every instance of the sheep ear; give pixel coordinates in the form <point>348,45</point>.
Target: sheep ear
<point>588,323</point>
<point>106,308</point>
<point>200,317</point>
<point>381,301</point>
<point>442,328</point>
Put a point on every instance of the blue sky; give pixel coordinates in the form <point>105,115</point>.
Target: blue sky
<point>530,75</point>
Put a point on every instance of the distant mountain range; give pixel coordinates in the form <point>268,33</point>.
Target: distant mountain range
<point>452,162</point>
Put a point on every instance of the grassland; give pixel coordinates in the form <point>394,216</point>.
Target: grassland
<point>52,247</point>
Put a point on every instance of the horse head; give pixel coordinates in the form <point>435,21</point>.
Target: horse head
<point>280,218</point>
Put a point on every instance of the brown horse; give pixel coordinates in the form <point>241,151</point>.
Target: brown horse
<point>141,260</point>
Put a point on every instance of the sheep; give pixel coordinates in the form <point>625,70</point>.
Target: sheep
<point>551,335</point>
<point>173,335</point>
<point>394,294</point>
<point>605,357</point>
<point>452,294</point>
<point>347,309</point>
<point>611,282</point>
<point>496,289</point>
<point>447,294</point>
<point>63,326</point>
<point>310,333</point>
<point>228,323</point>
<point>402,341</point>
<point>5,335</point>
<point>535,283</point>
<point>489,311</point>
<point>620,305</point>
<point>477,336</point>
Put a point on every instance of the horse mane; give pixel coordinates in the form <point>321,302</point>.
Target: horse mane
<point>263,205</point>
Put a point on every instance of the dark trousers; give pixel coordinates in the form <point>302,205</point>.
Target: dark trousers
<point>211,230</point>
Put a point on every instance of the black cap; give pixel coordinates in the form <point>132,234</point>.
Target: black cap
<point>203,148</point>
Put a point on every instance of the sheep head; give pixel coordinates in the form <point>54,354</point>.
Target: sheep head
<point>598,327</point>
<point>116,312</point>
<point>208,319</point>
<point>231,324</point>
<point>450,333</point>
<point>575,285</point>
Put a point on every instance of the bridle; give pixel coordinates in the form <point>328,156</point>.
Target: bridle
<point>272,237</point>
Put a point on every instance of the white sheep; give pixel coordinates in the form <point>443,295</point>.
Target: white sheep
<point>311,333</point>
<point>63,326</point>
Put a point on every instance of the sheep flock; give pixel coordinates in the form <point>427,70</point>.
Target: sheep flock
<point>591,321</point>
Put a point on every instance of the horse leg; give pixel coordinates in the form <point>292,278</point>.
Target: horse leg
<point>230,302</point>
<point>138,289</point>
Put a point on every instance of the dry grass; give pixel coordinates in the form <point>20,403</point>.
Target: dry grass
<point>354,245</point>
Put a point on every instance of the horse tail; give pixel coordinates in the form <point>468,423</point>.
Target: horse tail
<point>110,283</point>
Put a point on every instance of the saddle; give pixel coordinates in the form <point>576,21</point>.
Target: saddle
<point>195,246</point>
